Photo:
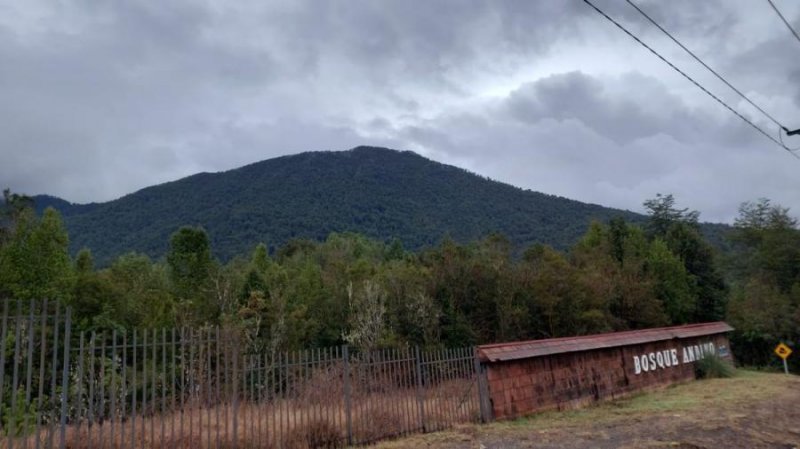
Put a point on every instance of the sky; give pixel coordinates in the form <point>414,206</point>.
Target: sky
<point>100,98</point>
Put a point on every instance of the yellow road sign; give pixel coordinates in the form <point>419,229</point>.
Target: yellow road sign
<point>783,351</point>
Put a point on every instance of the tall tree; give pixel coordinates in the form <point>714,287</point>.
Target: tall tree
<point>663,214</point>
<point>190,264</point>
<point>35,263</point>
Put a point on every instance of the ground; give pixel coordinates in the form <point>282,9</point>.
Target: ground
<point>751,410</point>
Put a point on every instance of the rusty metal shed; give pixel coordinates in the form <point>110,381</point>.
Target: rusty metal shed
<point>529,376</point>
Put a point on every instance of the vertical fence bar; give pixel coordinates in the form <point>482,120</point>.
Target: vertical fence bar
<point>449,377</point>
<point>153,392</point>
<point>91,400</point>
<point>79,405</point>
<point>302,375</point>
<point>53,376</point>
<point>192,383</point>
<point>65,379</point>
<point>15,362</point>
<point>381,387</point>
<point>235,387</point>
<point>101,406</point>
<point>145,334</point>
<point>335,408</point>
<point>124,389</point>
<point>28,372</point>
<point>163,385</point>
<point>347,398</point>
<point>282,385</point>
<point>133,391</point>
<point>218,401</point>
<point>208,390</point>
<point>173,389</point>
<point>3,331</point>
<point>112,387</point>
<point>183,367</point>
<point>182,384</point>
<point>248,374</point>
<point>42,362</point>
<point>420,397</point>
<point>291,380</point>
<point>273,395</point>
<point>408,387</point>
<point>259,399</point>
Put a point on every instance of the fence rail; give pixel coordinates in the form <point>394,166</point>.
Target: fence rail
<point>202,388</point>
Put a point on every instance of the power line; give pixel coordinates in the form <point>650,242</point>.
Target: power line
<point>788,25</point>
<point>699,86</point>
<point>697,58</point>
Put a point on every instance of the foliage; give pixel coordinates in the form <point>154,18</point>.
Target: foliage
<point>713,367</point>
<point>382,194</point>
<point>34,262</point>
<point>357,289</point>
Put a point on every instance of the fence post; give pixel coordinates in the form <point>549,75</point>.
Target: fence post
<point>483,394</point>
<point>3,356</point>
<point>65,378</point>
<point>420,396</point>
<point>235,388</point>
<point>347,398</point>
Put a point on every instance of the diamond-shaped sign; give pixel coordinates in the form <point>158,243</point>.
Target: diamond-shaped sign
<point>783,351</point>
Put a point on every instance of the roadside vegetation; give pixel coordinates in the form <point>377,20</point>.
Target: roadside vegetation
<point>370,294</point>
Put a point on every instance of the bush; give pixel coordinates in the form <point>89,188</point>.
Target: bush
<point>317,434</point>
<point>712,366</point>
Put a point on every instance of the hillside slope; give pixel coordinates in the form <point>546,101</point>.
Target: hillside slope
<point>381,193</point>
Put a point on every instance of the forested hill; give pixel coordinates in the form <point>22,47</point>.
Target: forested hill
<point>378,192</point>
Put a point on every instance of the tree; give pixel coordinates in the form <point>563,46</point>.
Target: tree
<point>663,214</point>
<point>367,312</point>
<point>672,284</point>
<point>700,262</point>
<point>769,244</point>
<point>35,263</point>
<point>95,304</point>
<point>143,291</point>
<point>190,265</point>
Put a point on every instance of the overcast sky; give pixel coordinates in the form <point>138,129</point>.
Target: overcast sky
<point>101,98</point>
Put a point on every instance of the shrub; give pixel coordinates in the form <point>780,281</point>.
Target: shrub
<point>712,366</point>
<point>317,434</point>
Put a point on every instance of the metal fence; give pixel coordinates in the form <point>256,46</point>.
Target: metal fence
<point>201,388</point>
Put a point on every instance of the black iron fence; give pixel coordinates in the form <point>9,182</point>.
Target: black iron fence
<point>202,388</point>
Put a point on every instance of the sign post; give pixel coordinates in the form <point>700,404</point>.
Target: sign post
<point>784,352</point>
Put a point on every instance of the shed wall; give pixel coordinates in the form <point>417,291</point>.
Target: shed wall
<point>568,380</point>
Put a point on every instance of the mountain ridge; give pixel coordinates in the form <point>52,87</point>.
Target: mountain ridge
<point>379,192</point>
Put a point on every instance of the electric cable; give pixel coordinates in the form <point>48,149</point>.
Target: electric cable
<point>788,25</point>
<point>697,58</point>
<point>699,86</point>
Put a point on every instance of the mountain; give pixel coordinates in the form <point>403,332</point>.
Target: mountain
<point>378,192</point>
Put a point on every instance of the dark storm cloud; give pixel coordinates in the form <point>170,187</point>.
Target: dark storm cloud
<point>100,98</point>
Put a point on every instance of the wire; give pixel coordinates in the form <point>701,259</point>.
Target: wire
<point>697,58</point>
<point>788,25</point>
<point>699,86</point>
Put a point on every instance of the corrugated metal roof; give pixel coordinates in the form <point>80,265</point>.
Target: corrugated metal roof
<point>502,352</point>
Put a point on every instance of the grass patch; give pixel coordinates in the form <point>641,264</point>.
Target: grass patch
<point>696,398</point>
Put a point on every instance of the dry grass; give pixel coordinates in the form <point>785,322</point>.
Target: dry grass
<point>316,419</point>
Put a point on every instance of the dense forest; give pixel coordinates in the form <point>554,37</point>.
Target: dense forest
<point>380,193</point>
<point>354,289</point>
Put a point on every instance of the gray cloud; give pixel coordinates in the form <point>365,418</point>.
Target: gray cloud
<point>100,98</point>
